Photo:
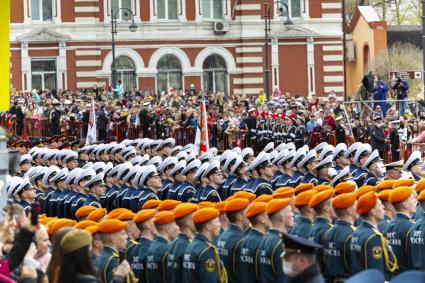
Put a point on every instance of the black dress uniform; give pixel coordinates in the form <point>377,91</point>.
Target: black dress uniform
<point>201,262</point>
<point>336,245</point>
<point>226,244</point>
<point>299,136</point>
<point>175,258</point>
<point>269,261</point>
<point>397,233</point>
<point>156,260</point>
<point>246,257</point>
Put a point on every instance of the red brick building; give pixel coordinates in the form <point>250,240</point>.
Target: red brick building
<point>66,44</point>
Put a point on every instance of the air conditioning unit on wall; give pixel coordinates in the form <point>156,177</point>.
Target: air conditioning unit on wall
<point>221,27</point>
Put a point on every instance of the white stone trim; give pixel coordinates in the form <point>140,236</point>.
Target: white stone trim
<point>157,55</point>
<point>86,74</point>
<point>223,52</point>
<point>311,71</point>
<point>86,19</point>
<point>328,89</point>
<point>88,53</point>
<point>252,70</point>
<point>243,81</point>
<point>249,59</point>
<point>332,58</point>
<point>248,18</point>
<point>333,79</point>
<point>88,63</point>
<point>248,7</point>
<point>85,84</point>
<point>83,1</point>
<point>249,49</point>
<point>331,5</point>
<point>247,90</point>
<point>131,53</point>
<point>84,9</point>
<point>331,15</point>
<point>330,69</point>
<point>332,47</point>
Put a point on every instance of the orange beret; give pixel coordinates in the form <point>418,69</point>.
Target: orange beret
<point>387,184</point>
<point>366,203</point>
<point>400,194</point>
<point>97,215</point>
<point>365,189</point>
<point>116,212</point>
<point>59,224</point>
<point>184,209</point>
<point>221,206</point>
<point>345,187</point>
<point>126,216</point>
<point>276,205</point>
<point>204,215</point>
<point>256,208</point>
<point>205,204</point>
<point>230,198</point>
<point>92,229</point>
<point>46,220</point>
<point>111,226</point>
<point>84,224</point>
<point>342,201</point>
<point>403,183</point>
<point>421,196</point>
<point>303,198</point>
<point>84,211</point>
<point>303,187</point>
<point>144,215</point>
<point>242,194</point>
<point>384,195</point>
<point>284,192</point>
<point>168,204</point>
<point>420,186</point>
<point>263,198</point>
<point>237,204</point>
<point>318,198</point>
<point>152,203</point>
<point>321,188</point>
<point>163,217</point>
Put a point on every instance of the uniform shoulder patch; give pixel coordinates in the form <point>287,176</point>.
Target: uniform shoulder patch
<point>210,265</point>
<point>377,252</point>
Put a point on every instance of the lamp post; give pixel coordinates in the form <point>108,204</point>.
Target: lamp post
<point>267,29</point>
<point>114,31</point>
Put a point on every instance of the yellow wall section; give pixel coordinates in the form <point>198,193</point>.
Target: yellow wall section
<point>4,56</point>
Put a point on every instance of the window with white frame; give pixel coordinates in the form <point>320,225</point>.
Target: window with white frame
<point>215,74</point>
<point>43,73</point>
<point>167,9</point>
<point>42,10</point>
<point>126,72</point>
<point>169,73</point>
<point>212,9</point>
<point>119,4</point>
<point>294,7</point>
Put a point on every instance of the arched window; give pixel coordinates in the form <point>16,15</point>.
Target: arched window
<point>169,73</point>
<point>126,72</point>
<point>215,74</point>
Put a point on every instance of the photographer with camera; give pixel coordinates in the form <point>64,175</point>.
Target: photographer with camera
<point>401,88</point>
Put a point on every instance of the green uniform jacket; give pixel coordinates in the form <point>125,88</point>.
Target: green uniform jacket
<point>136,256</point>
<point>201,262</point>
<point>302,227</point>
<point>156,261</point>
<point>336,250</point>
<point>226,244</point>
<point>175,258</point>
<point>269,261</point>
<point>247,255</point>
<point>417,244</point>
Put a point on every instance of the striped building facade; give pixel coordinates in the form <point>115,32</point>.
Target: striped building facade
<point>66,44</point>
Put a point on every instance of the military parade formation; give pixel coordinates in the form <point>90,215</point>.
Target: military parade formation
<point>158,212</point>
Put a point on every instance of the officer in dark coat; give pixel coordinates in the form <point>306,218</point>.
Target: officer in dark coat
<point>201,262</point>
<point>295,247</point>
<point>395,140</point>
<point>339,130</point>
<point>377,136</point>
<point>300,132</point>
<point>55,117</point>
<point>102,124</point>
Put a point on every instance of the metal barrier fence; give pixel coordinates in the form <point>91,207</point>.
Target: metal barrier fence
<point>222,140</point>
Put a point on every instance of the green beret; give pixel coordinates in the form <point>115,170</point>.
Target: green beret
<point>75,240</point>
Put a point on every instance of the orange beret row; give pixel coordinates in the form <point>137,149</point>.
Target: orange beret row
<point>365,189</point>
<point>206,204</point>
<point>204,215</point>
<point>321,188</point>
<point>168,204</point>
<point>144,215</point>
<point>387,184</point>
<point>263,198</point>
<point>163,217</point>
<point>284,192</point>
<point>403,183</point>
<point>384,195</point>
<point>116,212</point>
<point>255,208</point>
<point>303,187</point>
<point>276,205</point>
<point>303,198</point>
<point>345,187</point>
<point>242,194</point>
<point>153,203</point>
<point>420,186</point>
<point>92,229</point>
<point>319,198</point>
<point>97,215</point>
<point>111,226</point>
<point>400,194</point>
<point>221,206</point>
<point>343,201</point>
<point>84,224</point>
<point>84,211</point>
<point>57,224</point>
<point>366,203</point>
<point>237,204</point>
<point>126,216</point>
<point>421,196</point>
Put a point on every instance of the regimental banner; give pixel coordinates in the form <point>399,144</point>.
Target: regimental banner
<point>4,55</point>
<point>201,139</point>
